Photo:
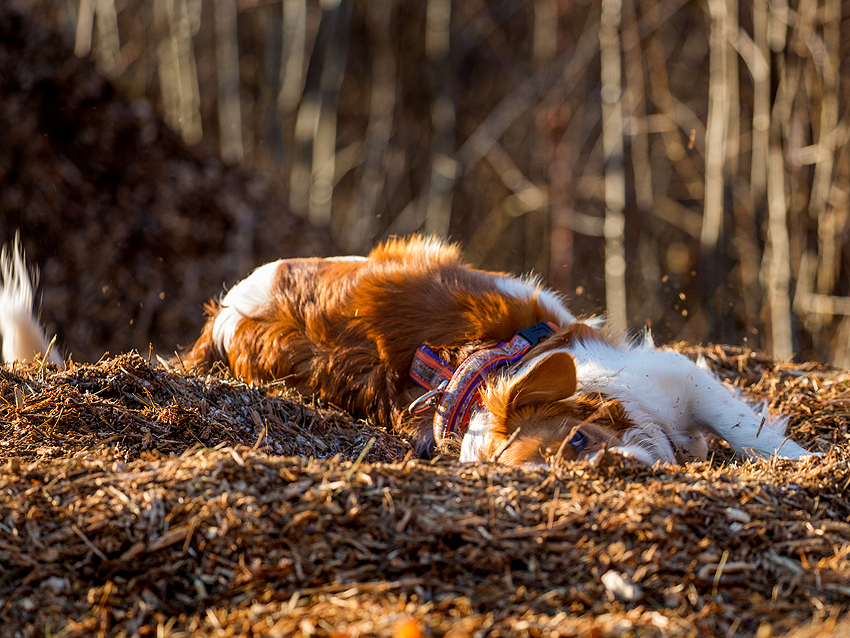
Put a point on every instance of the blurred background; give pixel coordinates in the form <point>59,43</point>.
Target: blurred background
<point>675,164</point>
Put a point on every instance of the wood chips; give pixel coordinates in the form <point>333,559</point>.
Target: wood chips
<point>143,501</point>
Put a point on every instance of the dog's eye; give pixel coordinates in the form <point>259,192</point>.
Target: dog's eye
<point>579,441</point>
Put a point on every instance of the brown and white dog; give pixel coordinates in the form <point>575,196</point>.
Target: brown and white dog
<point>414,339</point>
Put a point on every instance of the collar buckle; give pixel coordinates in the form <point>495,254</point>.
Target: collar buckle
<point>427,400</point>
<point>538,332</point>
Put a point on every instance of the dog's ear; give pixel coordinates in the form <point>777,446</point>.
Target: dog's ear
<point>550,378</point>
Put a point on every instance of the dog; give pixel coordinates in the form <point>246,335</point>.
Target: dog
<point>486,365</point>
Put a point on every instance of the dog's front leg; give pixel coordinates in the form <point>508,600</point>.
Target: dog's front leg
<point>716,408</point>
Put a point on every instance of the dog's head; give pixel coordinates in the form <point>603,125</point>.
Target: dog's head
<point>535,415</point>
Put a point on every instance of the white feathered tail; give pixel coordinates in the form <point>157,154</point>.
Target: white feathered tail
<point>23,337</point>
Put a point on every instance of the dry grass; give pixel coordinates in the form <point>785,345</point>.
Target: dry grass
<point>142,501</point>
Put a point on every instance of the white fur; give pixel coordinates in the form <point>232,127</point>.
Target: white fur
<point>348,258</point>
<point>472,446</point>
<point>530,288</point>
<point>242,301</point>
<point>23,337</point>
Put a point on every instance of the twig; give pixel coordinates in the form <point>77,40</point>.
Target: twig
<point>552,507</point>
<point>360,458</point>
<point>505,445</point>
<point>88,543</point>
<point>719,572</point>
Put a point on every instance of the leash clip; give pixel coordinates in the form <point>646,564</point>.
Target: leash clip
<point>426,400</point>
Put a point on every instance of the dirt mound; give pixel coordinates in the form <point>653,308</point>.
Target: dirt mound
<point>132,230</point>
<point>119,518</point>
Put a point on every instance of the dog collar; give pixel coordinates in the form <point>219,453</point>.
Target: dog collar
<point>457,392</point>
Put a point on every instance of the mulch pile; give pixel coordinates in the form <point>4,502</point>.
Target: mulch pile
<point>138,500</point>
<point>133,408</point>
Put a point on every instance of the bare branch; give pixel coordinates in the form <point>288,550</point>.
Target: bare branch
<point>615,178</point>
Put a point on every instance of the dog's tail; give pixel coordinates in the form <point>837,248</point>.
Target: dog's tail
<point>23,336</point>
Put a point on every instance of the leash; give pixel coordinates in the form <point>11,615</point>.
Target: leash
<point>457,392</point>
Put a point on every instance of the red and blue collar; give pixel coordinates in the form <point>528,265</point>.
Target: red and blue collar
<point>457,392</point>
